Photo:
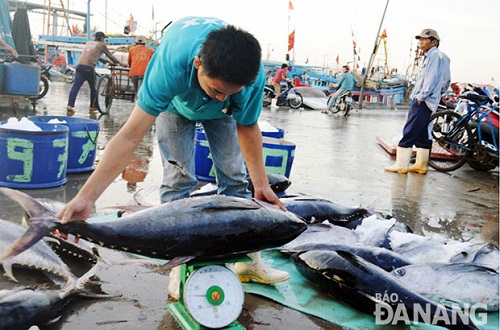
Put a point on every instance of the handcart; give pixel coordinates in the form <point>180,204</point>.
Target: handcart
<point>114,84</point>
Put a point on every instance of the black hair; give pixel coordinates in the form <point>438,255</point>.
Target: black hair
<point>232,55</point>
<point>100,35</point>
<point>284,65</point>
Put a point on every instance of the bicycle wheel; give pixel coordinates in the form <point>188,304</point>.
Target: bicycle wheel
<point>104,94</point>
<point>450,141</point>
<point>334,108</point>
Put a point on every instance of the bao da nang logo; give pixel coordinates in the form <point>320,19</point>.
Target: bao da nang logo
<point>390,310</point>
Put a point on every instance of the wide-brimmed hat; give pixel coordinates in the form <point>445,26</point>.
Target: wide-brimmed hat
<point>428,33</point>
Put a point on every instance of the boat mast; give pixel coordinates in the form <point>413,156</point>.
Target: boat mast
<point>362,90</point>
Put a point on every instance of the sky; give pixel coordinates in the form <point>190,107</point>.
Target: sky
<point>324,29</point>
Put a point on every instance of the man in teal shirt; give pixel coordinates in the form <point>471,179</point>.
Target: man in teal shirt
<point>207,72</point>
<point>345,83</point>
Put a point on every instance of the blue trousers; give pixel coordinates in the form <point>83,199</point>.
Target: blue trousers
<point>176,142</point>
<point>416,129</point>
<point>83,73</point>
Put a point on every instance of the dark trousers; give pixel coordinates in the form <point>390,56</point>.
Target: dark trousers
<point>416,129</point>
<point>83,73</point>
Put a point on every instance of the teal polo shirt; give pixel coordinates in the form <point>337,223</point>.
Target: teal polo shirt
<point>171,83</point>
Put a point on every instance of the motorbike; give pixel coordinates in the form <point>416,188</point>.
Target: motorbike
<point>45,77</point>
<point>289,96</point>
<point>343,103</point>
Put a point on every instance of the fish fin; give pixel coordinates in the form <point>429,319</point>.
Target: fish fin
<point>219,204</point>
<point>28,203</point>
<point>7,267</point>
<point>177,261</point>
<point>129,208</point>
<point>356,260</point>
<point>42,222</point>
<point>38,229</point>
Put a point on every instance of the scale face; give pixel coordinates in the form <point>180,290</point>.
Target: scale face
<point>214,296</point>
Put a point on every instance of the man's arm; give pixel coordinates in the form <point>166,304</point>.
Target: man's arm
<point>11,50</point>
<point>113,161</point>
<point>250,139</point>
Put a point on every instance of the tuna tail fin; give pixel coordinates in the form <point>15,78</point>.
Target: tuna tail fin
<point>38,229</point>
<point>28,203</point>
<point>43,221</point>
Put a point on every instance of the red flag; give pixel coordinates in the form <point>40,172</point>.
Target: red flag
<point>337,59</point>
<point>130,21</point>
<point>291,40</point>
<point>384,34</point>
<point>290,5</point>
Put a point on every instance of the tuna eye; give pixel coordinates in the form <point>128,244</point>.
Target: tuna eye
<point>400,272</point>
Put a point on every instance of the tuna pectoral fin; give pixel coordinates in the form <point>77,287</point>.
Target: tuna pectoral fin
<point>39,228</point>
<point>175,262</point>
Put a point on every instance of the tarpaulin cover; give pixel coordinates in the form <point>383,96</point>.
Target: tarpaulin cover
<point>22,34</point>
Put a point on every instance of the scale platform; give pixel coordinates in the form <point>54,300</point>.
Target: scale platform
<point>210,296</point>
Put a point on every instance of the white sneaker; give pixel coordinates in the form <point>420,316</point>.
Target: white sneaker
<point>256,270</point>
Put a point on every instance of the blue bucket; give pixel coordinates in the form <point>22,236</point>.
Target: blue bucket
<point>278,155</point>
<point>21,79</point>
<point>33,159</point>
<point>82,141</point>
<point>2,74</point>
<point>204,166</point>
<point>276,135</point>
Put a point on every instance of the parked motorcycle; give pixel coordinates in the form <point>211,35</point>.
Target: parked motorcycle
<point>343,103</point>
<point>44,80</point>
<point>289,96</point>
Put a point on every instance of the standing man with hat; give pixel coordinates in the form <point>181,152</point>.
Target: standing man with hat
<point>425,98</point>
<point>85,71</point>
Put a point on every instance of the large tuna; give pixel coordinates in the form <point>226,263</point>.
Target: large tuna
<point>369,288</point>
<point>206,228</point>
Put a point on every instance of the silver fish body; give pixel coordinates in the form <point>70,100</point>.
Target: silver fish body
<point>461,284</point>
<point>22,308</point>
<point>202,227</point>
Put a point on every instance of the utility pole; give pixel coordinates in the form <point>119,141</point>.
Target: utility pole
<point>362,90</point>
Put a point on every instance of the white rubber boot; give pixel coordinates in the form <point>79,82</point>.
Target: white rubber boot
<point>273,104</point>
<point>421,162</point>
<point>256,270</point>
<point>403,156</point>
<point>174,283</point>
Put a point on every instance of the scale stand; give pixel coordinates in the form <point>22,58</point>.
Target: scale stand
<point>210,297</point>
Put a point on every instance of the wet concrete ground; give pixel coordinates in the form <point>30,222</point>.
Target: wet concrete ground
<point>336,158</point>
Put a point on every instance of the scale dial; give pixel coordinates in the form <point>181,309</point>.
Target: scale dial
<point>214,296</point>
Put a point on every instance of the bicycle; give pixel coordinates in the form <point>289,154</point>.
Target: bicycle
<point>114,85</point>
<point>469,138</point>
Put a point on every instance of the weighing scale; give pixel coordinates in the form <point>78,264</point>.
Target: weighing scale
<point>210,296</point>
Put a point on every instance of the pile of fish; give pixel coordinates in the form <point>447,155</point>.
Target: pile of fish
<point>370,261</point>
<point>364,259</point>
